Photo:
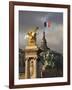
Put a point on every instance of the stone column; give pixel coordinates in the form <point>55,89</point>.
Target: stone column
<point>35,67</point>
<point>26,68</point>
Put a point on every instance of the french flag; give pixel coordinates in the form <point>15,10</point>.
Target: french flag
<point>47,24</point>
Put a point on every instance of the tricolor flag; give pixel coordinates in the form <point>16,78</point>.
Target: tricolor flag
<point>47,24</point>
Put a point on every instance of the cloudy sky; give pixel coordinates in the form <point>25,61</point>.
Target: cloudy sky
<point>54,33</point>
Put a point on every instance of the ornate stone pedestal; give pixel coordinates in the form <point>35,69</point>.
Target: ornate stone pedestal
<point>31,62</point>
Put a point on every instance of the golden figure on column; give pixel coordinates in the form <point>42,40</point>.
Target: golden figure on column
<point>31,56</point>
<point>31,38</point>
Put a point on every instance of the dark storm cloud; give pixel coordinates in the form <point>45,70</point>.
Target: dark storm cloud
<point>54,34</point>
<point>31,18</point>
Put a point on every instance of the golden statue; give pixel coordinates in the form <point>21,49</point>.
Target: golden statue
<point>31,38</point>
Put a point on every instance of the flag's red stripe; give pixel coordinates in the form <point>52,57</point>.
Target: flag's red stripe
<point>49,24</point>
